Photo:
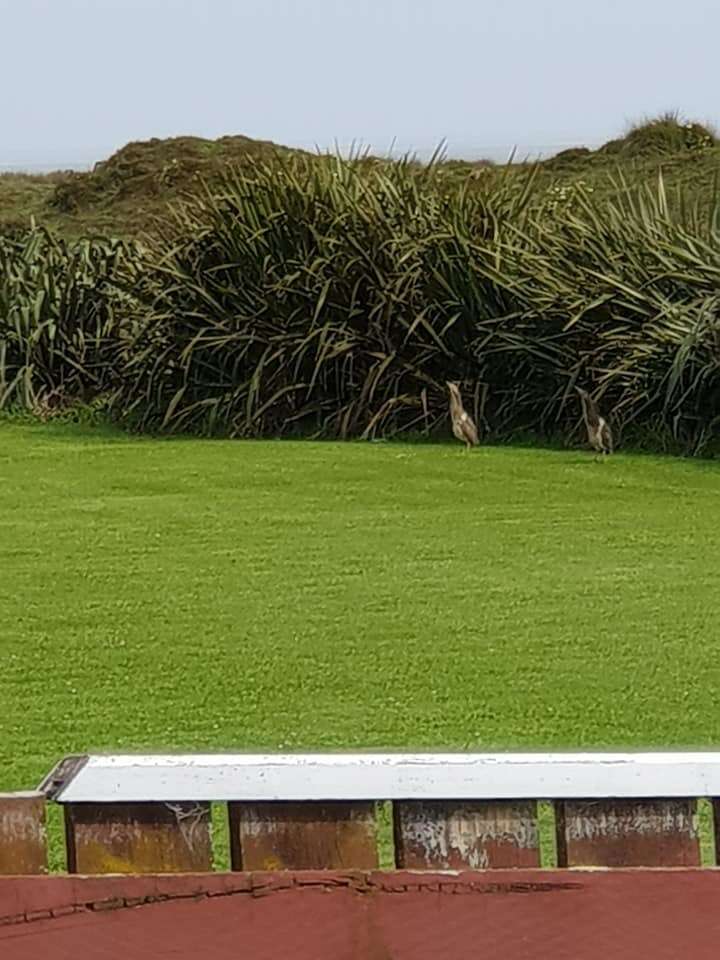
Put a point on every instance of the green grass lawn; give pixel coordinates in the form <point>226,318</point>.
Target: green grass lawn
<point>203,594</point>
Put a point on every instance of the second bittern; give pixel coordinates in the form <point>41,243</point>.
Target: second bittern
<point>463,426</point>
<point>598,430</point>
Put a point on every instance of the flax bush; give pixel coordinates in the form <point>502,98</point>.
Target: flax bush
<point>60,318</point>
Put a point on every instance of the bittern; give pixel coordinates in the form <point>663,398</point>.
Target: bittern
<point>598,430</point>
<point>463,426</point>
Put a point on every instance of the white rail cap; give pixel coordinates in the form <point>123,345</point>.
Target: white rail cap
<point>382,776</point>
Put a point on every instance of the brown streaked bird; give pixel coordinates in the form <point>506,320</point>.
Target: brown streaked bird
<point>463,427</point>
<point>598,430</point>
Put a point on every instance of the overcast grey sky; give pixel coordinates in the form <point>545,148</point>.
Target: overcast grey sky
<point>79,78</point>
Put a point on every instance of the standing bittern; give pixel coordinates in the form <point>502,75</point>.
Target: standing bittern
<point>463,426</point>
<point>598,430</point>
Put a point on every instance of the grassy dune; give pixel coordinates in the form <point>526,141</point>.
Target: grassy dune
<point>126,193</point>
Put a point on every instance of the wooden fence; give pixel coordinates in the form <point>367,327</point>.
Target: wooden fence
<point>151,814</point>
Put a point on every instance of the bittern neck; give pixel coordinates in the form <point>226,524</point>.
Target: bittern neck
<point>455,401</point>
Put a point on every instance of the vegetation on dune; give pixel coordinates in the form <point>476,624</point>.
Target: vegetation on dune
<point>125,194</point>
<point>317,298</point>
<point>666,134</point>
<point>25,198</point>
<point>309,295</point>
<point>333,301</point>
<point>624,295</point>
<point>60,335</point>
<point>151,167</point>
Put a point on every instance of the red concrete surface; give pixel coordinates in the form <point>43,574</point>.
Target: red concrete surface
<point>498,915</point>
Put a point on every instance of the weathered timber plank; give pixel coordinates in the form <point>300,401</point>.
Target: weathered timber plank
<point>303,836</point>
<point>449,835</point>
<point>23,840</point>
<point>138,837</point>
<point>628,833</point>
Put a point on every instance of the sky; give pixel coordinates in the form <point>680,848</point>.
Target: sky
<point>80,78</point>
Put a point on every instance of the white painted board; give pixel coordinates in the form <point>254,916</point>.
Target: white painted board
<point>391,776</point>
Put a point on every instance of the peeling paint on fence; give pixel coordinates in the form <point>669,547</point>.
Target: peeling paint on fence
<point>449,835</point>
<point>23,840</point>
<point>642,820</point>
<point>628,833</point>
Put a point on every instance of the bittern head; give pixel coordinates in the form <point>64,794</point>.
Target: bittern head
<point>453,386</point>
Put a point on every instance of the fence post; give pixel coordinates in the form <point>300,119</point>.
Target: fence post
<point>23,839</point>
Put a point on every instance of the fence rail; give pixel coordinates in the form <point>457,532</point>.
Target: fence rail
<point>383,776</point>
<point>151,814</point>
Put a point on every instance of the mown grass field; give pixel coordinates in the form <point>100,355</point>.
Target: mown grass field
<point>196,594</point>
